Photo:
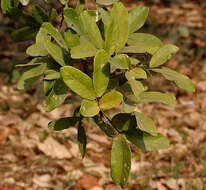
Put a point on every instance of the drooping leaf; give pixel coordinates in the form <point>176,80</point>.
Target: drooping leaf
<point>162,55</point>
<point>120,161</point>
<point>39,14</point>
<point>85,49</point>
<point>165,98</point>
<point>137,18</point>
<point>30,76</point>
<point>142,43</point>
<point>57,53</point>
<point>147,142</point>
<point>119,14</point>
<point>89,108</point>
<point>57,95</point>
<point>54,33</point>
<point>107,129</point>
<point>82,139</point>
<point>92,30</point>
<point>23,34</point>
<point>145,123</point>
<point>101,72</point>
<point>71,39</point>
<point>106,2</point>
<point>136,86</point>
<point>63,123</point>
<point>79,82</point>
<point>181,80</point>
<point>124,121</point>
<point>72,18</point>
<point>110,100</point>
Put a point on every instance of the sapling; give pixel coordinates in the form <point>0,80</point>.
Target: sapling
<point>115,61</point>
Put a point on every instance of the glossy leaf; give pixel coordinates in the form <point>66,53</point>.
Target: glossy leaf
<point>101,72</point>
<point>145,123</point>
<point>57,53</point>
<point>63,123</point>
<point>124,121</point>
<point>92,30</point>
<point>137,18</point>
<point>57,95</point>
<point>119,14</point>
<point>107,129</point>
<point>147,142</point>
<point>110,100</point>
<point>162,55</point>
<point>30,76</point>
<point>120,161</point>
<point>89,108</point>
<point>165,98</point>
<point>85,49</point>
<point>79,82</point>
<point>82,139</point>
<point>181,80</point>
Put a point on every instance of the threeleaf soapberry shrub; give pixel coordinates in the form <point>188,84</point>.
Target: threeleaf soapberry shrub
<point>116,76</point>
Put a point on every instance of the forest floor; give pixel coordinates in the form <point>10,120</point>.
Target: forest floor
<point>33,157</point>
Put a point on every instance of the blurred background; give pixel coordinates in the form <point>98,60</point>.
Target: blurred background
<point>33,157</point>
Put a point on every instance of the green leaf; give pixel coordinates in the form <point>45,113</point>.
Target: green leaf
<point>137,18</point>
<point>146,141</point>
<point>63,123</point>
<point>48,85</point>
<point>181,80</point>
<point>37,49</point>
<point>39,14</point>
<point>89,108</point>
<point>57,95</point>
<point>92,30</point>
<point>53,15</point>
<point>71,39</point>
<point>57,53</point>
<point>121,23</point>
<point>64,2</point>
<point>54,33</point>
<point>162,55</point>
<point>124,121</point>
<point>107,129</point>
<point>82,139</point>
<point>101,72</point>
<point>52,75</point>
<point>72,18</point>
<point>136,86</point>
<point>120,161</point>
<point>142,43</point>
<point>165,98</point>
<point>138,73</point>
<point>106,17</point>
<point>129,105</point>
<point>110,100</point>
<point>30,76</point>
<point>79,82</point>
<point>120,61</point>
<point>85,49</point>
<point>23,34</point>
<point>5,5</point>
<point>145,123</point>
<point>34,62</point>
<point>106,2</point>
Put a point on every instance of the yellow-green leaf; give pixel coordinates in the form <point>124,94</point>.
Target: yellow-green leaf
<point>78,81</point>
<point>110,100</point>
<point>138,73</point>
<point>89,108</point>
